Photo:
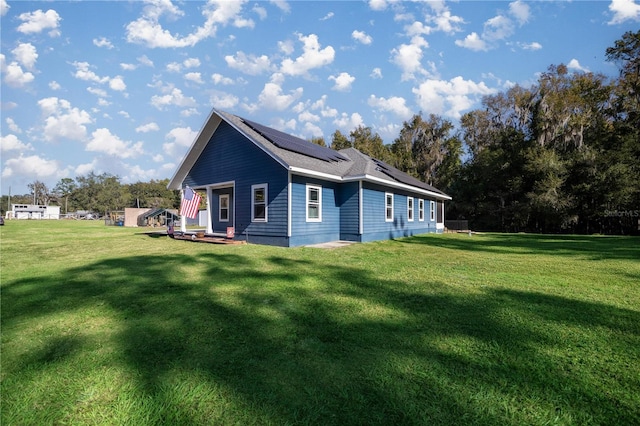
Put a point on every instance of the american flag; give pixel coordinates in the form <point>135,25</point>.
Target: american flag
<point>190,203</point>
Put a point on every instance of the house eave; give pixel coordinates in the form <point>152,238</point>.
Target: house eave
<point>367,178</point>
<point>399,185</point>
<point>196,148</point>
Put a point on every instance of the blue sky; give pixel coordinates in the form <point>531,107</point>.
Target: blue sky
<point>123,87</point>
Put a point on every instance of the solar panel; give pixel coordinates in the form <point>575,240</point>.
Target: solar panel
<point>402,177</point>
<point>294,144</point>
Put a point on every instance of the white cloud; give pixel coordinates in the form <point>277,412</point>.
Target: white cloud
<point>146,128</point>
<point>520,10</point>
<point>195,77</point>
<point>32,167</point>
<point>117,83</point>
<point>451,97</point>
<point>530,46</point>
<point>282,5</point>
<point>128,67</point>
<point>147,30</point>
<point>103,141</point>
<point>342,81</point>
<point>575,66</point>
<point>144,60</point>
<point>248,64</point>
<point>409,58</point>
<point>84,72</point>
<point>624,10</point>
<point>191,63</point>
<point>12,143</point>
<point>26,55</point>
<point>260,11</point>
<point>473,42</point>
<point>362,37</point>
<point>443,19</point>
<point>62,120</point>
<point>378,4</point>
<point>394,104</point>
<point>376,73</point>
<point>286,47</point>
<point>54,85</point>
<point>327,16</point>
<point>103,42</point>
<point>220,79</point>
<point>97,91</point>
<point>12,125</point>
<point>224,100</point>
<point>312,57</point>
<point>14,75</point>
<point>498,28</point>
<point>4,7</point>
<point>347,122</point>
<point>179,139</point>
<point>38,21</point>
<point>175,97</point>
<point>272,96</point>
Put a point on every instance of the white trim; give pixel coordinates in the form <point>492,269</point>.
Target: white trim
<point>410,209</point>
<point>209,220</point>
<point>369,178</point>
<point>432,210</point>
<point>264,186</point>
<point>220,198</point>
<point>318,188</point>
<point>310,173</point>
<point>421,210</point>
<point>399,185</point>
<point>360,209</point>
<point>289,198</point>
<point>200,142</point>
<point>386,206</point>
<point>227,184</point>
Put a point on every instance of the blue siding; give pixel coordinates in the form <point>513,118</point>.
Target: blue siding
<point>229,156</point>
<point>348,200</point>
<point>303,232</point>
<point>375,225</point>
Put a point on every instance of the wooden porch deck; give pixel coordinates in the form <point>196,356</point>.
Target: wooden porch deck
<point>211,239</point>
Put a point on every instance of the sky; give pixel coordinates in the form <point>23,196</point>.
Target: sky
<point>124,87</point>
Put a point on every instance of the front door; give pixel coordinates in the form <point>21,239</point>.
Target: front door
<point>222,209</point>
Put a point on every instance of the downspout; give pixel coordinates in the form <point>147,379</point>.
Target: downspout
<point>360,209</point>
<point>289,204</point>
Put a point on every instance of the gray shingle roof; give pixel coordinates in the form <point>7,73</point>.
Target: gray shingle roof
<point>358,166</point>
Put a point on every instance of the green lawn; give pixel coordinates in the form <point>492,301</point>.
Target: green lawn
<point>108,325</point>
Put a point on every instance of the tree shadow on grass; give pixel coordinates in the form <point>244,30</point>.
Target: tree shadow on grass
<point>592,247</point>
<point>265,349</point>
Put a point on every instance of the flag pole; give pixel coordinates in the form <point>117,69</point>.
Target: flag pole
<point>183,218</point>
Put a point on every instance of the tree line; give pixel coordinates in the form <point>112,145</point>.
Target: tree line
<point>562,155</point>
<point>98,193</point>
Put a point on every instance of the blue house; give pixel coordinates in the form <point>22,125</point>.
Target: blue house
<point>269,187</point>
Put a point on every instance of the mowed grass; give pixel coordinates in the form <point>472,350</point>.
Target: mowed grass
<point>108,325</point>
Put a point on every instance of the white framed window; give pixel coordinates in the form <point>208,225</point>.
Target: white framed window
<point>314,203</point>
<point>388,204</point>
<point>223,207</point>
<point>259,196</point>
<point>432,210</point>
<point>410,209</point>
<point>421,210</point>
